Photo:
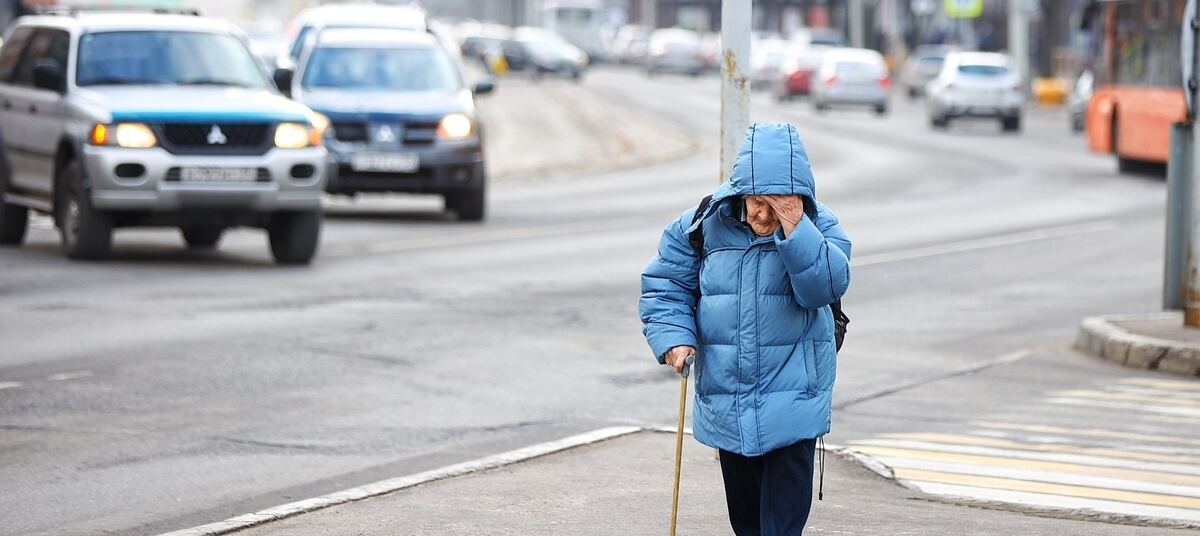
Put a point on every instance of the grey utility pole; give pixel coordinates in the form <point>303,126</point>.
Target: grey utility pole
<point>1018,36</point>
<point>855,16</point>
<point>735,79</point>
<point>1190,61</point>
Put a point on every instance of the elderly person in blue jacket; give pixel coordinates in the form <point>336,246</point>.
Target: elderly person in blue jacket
<point>752,304</point>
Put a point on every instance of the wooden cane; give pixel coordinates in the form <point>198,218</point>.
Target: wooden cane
<point>683,379</point>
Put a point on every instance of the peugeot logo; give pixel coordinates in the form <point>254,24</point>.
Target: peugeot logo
<point>216,137</point>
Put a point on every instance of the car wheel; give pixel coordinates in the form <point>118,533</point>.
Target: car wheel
<point>471,206</point>
<point>912,93</point>
<point>819,105</point>
<point>939,121</point>
<point>86,232</point>
<point>1011,124</point>
<point>14,220</point>
<point>881,109</point>
<point>201,236</point>
<point>294,236</point>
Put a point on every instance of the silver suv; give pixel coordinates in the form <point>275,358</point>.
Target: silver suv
<point>133,119</point>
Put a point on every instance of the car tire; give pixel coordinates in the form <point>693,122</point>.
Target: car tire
<point>471,206</point>
<point>294,236</point>
<point>912,93</point>
<point>1011,124</point>
<point>820,106</point>
<point>86,232</point>
<point>881,109</point>
<point>14,220</point>
<point>939,121</point>
<point>202,236</point>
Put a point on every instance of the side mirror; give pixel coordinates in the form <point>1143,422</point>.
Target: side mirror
<point>283,80</point>
<point>485,86</point>
<point>48,75</point>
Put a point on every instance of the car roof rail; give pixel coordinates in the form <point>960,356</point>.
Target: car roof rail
<point>76,10</point>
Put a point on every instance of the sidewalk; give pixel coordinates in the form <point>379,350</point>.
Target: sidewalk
<point>623,486</point>
<point>1156,341</point>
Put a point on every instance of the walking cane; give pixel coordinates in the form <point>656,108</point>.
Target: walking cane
<point>687,367</point>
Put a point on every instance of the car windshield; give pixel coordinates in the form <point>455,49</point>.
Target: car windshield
<point>166,57</point>
<point>983,70</point>
<point>393,69</point>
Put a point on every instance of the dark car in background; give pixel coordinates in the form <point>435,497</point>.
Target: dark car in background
<point>541,52</point>
<point>400,116</point>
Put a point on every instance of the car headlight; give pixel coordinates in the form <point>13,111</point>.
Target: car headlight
<point>321,123</point>
<point>131,135</point>
<point>296,136</point>
<point>455,127</point>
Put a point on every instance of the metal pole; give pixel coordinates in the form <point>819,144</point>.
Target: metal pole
<point>1018,37</point>
<point>1191,276</point>
<point>855,14</point>
<point>1179,215</point>
<point>735,79</point>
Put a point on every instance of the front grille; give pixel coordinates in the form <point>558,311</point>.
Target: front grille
<point>414,132</point>
<point>215,138</point>
<point>347,131</point>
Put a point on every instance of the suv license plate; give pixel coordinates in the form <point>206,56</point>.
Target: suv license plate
<point>218,174</point>
<point>391,162</point>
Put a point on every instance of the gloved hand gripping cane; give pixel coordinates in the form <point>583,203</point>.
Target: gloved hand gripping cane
<point>683,379</point>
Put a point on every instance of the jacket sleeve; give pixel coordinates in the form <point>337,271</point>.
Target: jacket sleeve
<point>817,258</point>
<point>670,290</point>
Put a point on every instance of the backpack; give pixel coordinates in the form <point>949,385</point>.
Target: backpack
<point>696,238</point>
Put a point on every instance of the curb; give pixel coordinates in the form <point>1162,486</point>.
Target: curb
<point>383,487</point>
<point>1102,337</point>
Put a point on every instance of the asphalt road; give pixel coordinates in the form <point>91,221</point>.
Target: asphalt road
<point>165,389</point>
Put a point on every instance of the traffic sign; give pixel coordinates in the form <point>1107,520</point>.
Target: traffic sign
<point>963,9</point>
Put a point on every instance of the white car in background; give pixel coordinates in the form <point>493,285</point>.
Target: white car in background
<point>976,84</point>
<point>852,77</point>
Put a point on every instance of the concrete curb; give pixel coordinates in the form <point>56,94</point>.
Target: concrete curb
<point>395,484</point>
<point>1102,337</point>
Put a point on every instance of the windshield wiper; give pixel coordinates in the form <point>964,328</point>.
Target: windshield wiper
<point>121,82</point>
<point>212,82</point>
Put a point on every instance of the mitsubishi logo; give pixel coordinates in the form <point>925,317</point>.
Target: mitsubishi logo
<point>216,137</point>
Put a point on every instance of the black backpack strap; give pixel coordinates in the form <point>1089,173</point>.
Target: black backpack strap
<point>696,237</point>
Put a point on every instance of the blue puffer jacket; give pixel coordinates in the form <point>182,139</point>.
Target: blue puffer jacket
<point>756,308</point>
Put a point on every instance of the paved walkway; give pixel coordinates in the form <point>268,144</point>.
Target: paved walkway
<point>622,486</point>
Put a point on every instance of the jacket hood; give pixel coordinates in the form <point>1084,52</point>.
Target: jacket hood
<point>771,161</point>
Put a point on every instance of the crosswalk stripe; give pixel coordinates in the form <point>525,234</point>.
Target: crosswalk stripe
<point>1111,395</point>
<point>1059,501</point>
<point>962,439</point>
<point>1163,384</point>
<point>9,385</point>
<point>1140,408</point>
<point>1126,462</point>
<point>899,457</point>
<point>1150,391</point>
<point>1088,432</point>
<point>1089,492</point>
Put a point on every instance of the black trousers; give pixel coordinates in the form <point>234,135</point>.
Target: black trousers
<point>769,495</point>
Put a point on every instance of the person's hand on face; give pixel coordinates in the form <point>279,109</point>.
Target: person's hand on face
<point>765,213</point>
<point>788,209</point>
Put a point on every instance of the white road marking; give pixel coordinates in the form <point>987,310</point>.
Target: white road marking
<point>983,243</point>
<point>65,376</point>
<point>1138,407</point>
<point>1058,501</point>
<point>1074,455</point>
<point>485,236</point>
<point>394,484</point>
<point>9,385</point>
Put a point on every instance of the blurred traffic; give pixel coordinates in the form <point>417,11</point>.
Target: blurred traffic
<point>388,92</point>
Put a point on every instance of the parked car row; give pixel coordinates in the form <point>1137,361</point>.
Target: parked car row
<point>117,119</point>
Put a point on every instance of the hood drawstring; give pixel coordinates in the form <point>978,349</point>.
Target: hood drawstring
<point>821,458</point>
